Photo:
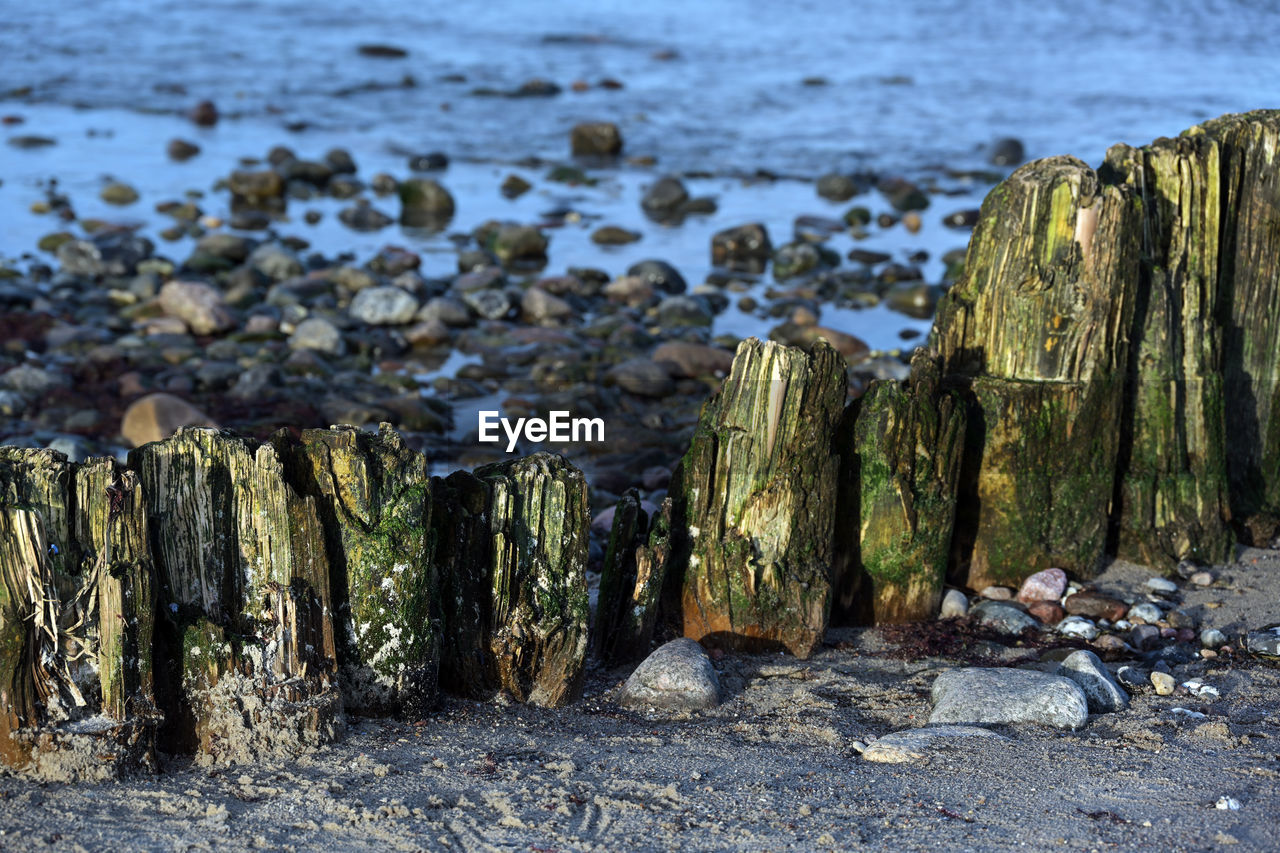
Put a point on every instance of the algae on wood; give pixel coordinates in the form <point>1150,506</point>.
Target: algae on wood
<point>1249,310</point>
<point>512,556</point>
<point>248,633</point>
<point>538,521</point>
<point>900,468</point>
<point>372,492</point>
<point>459,508</point>
<point>631,580</point>
<point>85,585</point>
<point>1171,484</point>
<point>1036,330</point>
<point>753,501</point>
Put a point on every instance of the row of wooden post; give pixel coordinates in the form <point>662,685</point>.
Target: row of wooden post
<point>1100,380</point>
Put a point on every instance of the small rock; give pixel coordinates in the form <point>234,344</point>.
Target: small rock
<point>435,161</point>
<point>317,333</point>
<point>1202,578</point>
<point>490,304</point>
<point>682,311</point>
<point>383,306</point>
<point>523,244</point>
<point>1134,679</point>
<point>665,198</point>
<point>31,380</point>
<point>997,593</point>
<point>1048,612</point>
<point>118,194</point>
<point>1144,613</point>
<point>1077,626</point>
<point>835,187</point>
<point>643,377</point>
<point>541,307</point>
<point>1095,606</point>
<point>659,275</point>
<point>693,361</point>
<point>155,417</point>
<point>612,235</point>
<point>204,114</point>
<point>596,139</point>
<point>275,262</point>
<point>514,186</point>
<point>1163,682</point>
<point>903,194</point>
<point>678,676</point>
<point>424,203</point>
<point>1000,696</point>
<point>382,51</point>
<point>954,604</point>
<point>1144,636</point>
<point>1003,617</point>
<point>199,305</point>
<point>916,744</point>
<point>362,216</point>
<point>745,248</point>
<point>1007,152</point>
<point>1264,642</point>
<point>1212,638</point>
<point>1227,804</point>
<point>1162,586</point>
<point>1101,691</point>
<point>1048,585</point>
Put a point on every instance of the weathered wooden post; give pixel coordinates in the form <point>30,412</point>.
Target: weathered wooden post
<point>248,633</point>
<point>514,579</point>
<point>900,450</point>
<point>631,580</point>
<point>373,498</point>
<point>77,611</point>
<point>1035,331</point>
<point>1171,489</point>
<point>754,500</point>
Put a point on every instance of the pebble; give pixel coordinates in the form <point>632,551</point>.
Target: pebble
<point>1264,642</point>
<point>542,307</point>
<point>200,306</point>
<point>118,194</point>
<point>28,379</point>
<point>1145,613</point>
<point>1202,578</point>
<point>999,696</point>
<point>1048,612</point>
<point>1162,586</point>
<point>1095,606</point>
<point>914,745</point>
<point>595,139</point>
<point>1077,626</point>
<point>677,676</point>
<point>1144,636</point>
<point>1227,804</point>
<point>317,333</point>
<point>693,361</point>
<point>642,377</point>
<point>997,593</point>
<point>1198,688</point>
<point>1101,691</point>
<point>157,416</point>
<point>1048,585</point>
<point>383,306</point>
<point>1133,678</point>
<point>954,604</point>
<point>1003,617</point>
<point>1163,682</point>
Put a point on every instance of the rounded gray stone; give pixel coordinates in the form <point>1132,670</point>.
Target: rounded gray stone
<point>1101,691</point>
<point>1000,696</point>
<point>317,333</point>
<point>954,604</point>
<point>1002,617</point>
<point>383,306</point>
<point>676,677</point>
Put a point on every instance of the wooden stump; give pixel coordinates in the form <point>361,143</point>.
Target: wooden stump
<point>631,580</point>
<point>248,637</point>
<point>513,554</point>
<point>754,501</point>
<point>900,469</point>
<point>373,497</point>
<point>1171,488</point>
<point>1036,331</point>
<point>76,647</point>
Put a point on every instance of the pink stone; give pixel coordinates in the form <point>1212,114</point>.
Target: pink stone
<point>997,593</point>
<point>1043,586</point>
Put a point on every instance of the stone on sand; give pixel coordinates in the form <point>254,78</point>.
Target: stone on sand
<point>914,745</point>
<point>201,306</point>
<point>1048,585</point>
<point>1000,696</point>
<point>676,677</point>
<point>157,416</point>
<point>954,604</point>
<point>1101,691</point>
<point>1003,617</point>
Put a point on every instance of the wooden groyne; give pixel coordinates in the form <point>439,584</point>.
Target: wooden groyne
<point>1101,379</point>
